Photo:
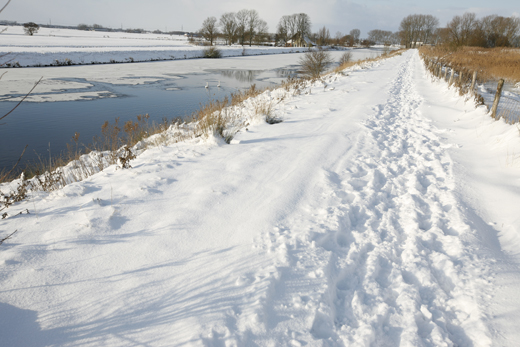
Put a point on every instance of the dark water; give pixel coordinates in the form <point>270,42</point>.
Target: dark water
<point>49,126</point>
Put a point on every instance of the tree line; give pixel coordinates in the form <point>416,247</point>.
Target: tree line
<point>466,30</point>
<point>245,27</point>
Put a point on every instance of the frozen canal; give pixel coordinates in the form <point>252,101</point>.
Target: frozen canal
<point>81,98</point>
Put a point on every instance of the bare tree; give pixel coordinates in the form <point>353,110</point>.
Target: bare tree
<point>315,62</point>
<point>292,27</point>
<point>250,27</point>
<point>241,18</point>
<point>209,29</point>
<point>253,21</point>
<point>323,37</point>
<point>417,28</point>
<point>395,39</point>
<point>229,26</point>
<point>302,23</point>
<point>381,37</point>
<point>490,31</point>
<point>287,28</point>
<point>355,33</point>
<point>262,32</point>
<point>461,28</point>
<point>256,28</point>
<point>500,31</point>
<point>349,40</point>
<point>338,38</point>
<point>428,26</point>
<point>367,43</point>
<point>283,30</point>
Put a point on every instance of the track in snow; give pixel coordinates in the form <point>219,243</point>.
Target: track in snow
<point>383,262</point>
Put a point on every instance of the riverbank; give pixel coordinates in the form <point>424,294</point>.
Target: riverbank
<point>79,99</point>
<point>381,211</point>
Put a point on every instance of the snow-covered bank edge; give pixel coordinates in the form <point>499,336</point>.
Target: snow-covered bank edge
<point>90,57</point>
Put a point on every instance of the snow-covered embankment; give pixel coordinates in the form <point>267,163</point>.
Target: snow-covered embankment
<point>347,224</point>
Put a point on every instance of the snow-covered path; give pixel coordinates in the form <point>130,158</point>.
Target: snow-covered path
<point>345,225</point>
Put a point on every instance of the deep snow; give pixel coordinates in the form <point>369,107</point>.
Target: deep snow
<point>381,212</point>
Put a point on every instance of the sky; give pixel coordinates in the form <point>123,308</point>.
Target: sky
<point>169,15</point>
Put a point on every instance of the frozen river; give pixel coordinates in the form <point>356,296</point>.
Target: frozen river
<point>81,98</point>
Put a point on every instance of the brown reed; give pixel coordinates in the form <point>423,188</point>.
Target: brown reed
<point>491,63</point>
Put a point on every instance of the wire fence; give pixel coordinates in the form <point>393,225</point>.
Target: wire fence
<point>501,103</point>
<point>509,109</point>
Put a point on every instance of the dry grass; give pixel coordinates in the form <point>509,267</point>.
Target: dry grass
<point>491,63</point>
<point>104,151</point>
<point>386,54</point>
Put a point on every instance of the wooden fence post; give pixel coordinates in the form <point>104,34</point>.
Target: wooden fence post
<point>451,77</point>
<point>471,89</point>
<point>497,99</point>
<point>445,73</point>
<point>460,78</point>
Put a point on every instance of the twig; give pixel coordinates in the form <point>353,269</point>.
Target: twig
<point>5,55</point>
<point>25,97</point>
<point>7,237</point>
<point>3,8</point>
<point>15,165</point>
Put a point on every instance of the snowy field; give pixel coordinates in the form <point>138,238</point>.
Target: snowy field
<point>61,46</point>
<point>383,211</point>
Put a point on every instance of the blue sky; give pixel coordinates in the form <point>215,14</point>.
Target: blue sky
<point>337,15</point>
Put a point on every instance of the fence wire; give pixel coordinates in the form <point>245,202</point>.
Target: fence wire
<point>509,109</point>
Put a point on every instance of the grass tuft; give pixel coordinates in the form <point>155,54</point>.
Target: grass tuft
<point>212,52</point>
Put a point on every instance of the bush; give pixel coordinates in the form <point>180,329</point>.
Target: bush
<point>212,52</point>
<point>31,28</point>
<point>345,58</point>
<point>315,62</point>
